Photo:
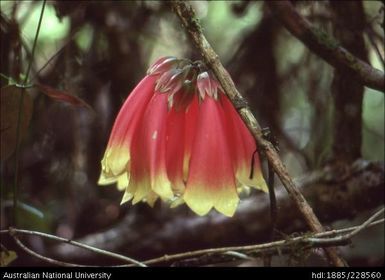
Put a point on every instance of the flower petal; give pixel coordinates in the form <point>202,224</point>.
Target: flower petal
<point>175,149</point>
<point>123,181</point>
<point>139,185</point>
<point>148,165</point>
<point>117,154</point>
<point>211,181</point>
<point>191,120</point>
<point>126,197</point>
<point>151,198</point>
<point>170,81</point>
<point>243,148</point>
<point>162,64</point>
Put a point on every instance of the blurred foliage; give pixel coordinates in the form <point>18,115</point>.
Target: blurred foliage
<point>10,100</point>
<point>98,51</point>
<point>7,257</point>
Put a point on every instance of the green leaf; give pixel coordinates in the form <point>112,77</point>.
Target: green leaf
<point>10,100</point>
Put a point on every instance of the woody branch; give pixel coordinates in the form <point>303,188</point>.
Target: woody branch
<point>187,16</point>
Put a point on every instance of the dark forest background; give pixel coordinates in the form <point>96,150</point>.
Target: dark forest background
<point>330,128</point>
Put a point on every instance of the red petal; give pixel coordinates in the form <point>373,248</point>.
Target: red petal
<point>117,154</point>
<point>139,185</point>
<point>243,148</point>
<point>175,149</point>
<point>133,109</point>
<point>148,163</point>
<point>191,120</point>
<point>211,180</point>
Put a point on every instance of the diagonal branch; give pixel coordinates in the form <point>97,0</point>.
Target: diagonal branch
<point>187,16</point>
<point>326,46</point>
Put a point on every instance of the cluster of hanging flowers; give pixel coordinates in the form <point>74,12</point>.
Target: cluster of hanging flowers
<point>179,138</point>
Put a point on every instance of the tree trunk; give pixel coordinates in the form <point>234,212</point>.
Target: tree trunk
<point>348,92</point>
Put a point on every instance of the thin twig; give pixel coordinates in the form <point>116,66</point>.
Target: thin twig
<point>187,16</point>
<point>19,117</point>
<point>3,248</point>
<point>366,224</point>
<point>358,229</point>
<point>43,258</point>
<point>326,46</point>
<point>273,202</point>
<point>58,52</point>
<point>317,240</point>
<point>74,243</point>
<point>273,209</point>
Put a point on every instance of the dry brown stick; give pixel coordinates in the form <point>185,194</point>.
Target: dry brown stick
<point>319,240</point>
<point>326,46</point>
<point>36,255</point>
<point>187,16</point>
<point>358,228</point>
<point>337,237</point>
<point>14,231</point>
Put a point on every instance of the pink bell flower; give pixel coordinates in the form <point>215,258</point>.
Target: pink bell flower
<point>178,137</point>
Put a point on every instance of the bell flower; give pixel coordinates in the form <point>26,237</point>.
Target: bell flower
<point>178,137</point>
